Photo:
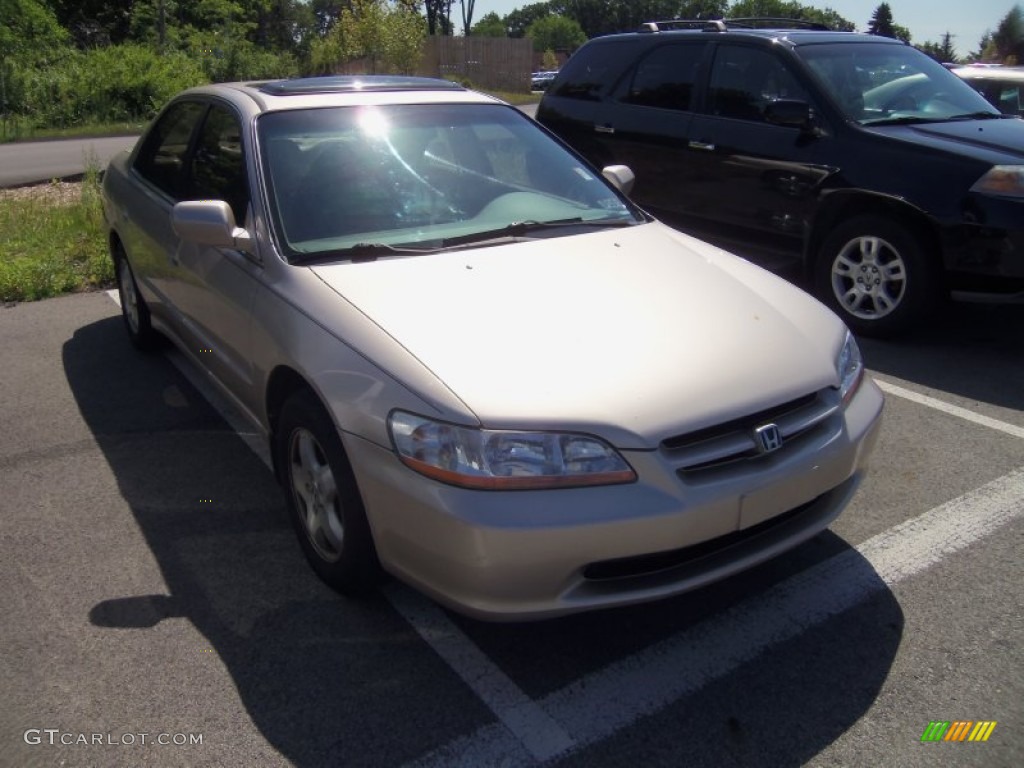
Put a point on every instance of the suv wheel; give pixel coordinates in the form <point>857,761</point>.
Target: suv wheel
<point>873,273</point>
<point>323,499</point>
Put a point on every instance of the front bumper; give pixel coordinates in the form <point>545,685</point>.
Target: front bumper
<point>539,554</point>
<point>986,254</point>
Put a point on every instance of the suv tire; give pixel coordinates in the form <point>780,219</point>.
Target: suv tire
<point>875,275</point>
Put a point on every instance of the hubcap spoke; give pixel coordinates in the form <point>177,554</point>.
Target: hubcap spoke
<point>316,495</point>
<point>868,277</point>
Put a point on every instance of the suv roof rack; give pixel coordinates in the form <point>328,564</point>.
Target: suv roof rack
<point>723,25</point>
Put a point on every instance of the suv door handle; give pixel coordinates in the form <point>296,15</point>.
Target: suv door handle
<point>604,128</point>
<point>703,145</point>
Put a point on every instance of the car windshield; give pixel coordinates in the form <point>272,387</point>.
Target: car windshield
<point>410,178</point>
<point>885,84</point>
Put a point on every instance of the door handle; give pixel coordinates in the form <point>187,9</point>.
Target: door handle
<point>702,145</point>
<point>604,128</point>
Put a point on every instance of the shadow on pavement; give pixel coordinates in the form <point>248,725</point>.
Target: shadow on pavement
<point>975,351</point>
<point>329,681</point>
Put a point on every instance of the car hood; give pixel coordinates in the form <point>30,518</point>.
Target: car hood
<point>993,141</point>
<point>633,334</point>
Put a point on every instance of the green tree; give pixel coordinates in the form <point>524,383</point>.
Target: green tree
<point>520,19</point>
<point>943,51</point>
<point>467,15</point>
<point>881,22</point>
<point>30,39</point>
<point>439,16</point>
<point>987,51</point>
<point>786,9</point>
<point>557,33</point>
<point>1009,37</point>
<point>388,36</point>
<point>490,25</point>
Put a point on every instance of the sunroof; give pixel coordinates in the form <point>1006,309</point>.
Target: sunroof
<point>349,83</point>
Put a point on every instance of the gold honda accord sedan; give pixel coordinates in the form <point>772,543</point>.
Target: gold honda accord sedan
<point>479,367</point>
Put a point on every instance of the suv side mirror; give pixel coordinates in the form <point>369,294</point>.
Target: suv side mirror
<point>791,113</point>
<point>209,222</point>
<point>620,176</point>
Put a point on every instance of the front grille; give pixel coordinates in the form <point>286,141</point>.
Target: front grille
<point>660,562</point>
<point>733,441</point>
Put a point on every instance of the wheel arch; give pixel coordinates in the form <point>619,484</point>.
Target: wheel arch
<point>842,206</point>
<point>283,382</point>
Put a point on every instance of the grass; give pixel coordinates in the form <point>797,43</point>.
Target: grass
<point>54,241</point>
<point>20,129</point>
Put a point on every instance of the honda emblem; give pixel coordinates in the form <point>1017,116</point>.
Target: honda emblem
<point>768,438</point>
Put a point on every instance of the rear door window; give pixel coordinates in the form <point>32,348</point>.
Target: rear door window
<point>664,78</point>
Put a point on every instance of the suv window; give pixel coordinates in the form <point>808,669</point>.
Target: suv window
<point>745,80</point>
<point>591,69</point>
<point>161,159</point>
<point>664,78</point>
<point>218,168</point>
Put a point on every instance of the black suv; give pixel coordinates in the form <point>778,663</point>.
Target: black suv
<point>890,180</point>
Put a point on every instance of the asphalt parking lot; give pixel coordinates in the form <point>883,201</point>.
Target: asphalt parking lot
<point>157,609</point>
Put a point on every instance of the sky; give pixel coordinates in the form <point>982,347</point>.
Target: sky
<point>927,20</point>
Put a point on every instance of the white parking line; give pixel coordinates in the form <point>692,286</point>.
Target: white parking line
<point>953,410</point>
<point>531,726</point>
<point>598,705</point>
<point>533,730</point>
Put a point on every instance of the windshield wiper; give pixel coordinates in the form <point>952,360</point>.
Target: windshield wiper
<point>906,120</point>
<point>980,116</point>
<point>360,252</point>
<point>517,229</point>
<point>910,120</point>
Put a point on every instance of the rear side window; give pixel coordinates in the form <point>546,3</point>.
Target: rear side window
<point>745,80</point>
<point>592,69</point>
<point>161,159</point>
<point>664,78</point>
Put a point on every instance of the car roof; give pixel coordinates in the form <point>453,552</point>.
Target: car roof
<point>1005,74</point>
<point>341,90</point>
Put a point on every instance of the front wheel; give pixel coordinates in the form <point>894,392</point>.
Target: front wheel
<point>873,273</point>
<point>323,499</point>
<point>134,311</point>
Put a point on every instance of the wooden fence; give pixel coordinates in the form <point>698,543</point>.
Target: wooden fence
<point>494,63</point>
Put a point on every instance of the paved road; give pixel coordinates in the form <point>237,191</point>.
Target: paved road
<point>151,585</point>
<point>35,161</point>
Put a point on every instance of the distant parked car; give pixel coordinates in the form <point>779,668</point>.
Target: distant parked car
<point>881,175</point>
<point>1002,86</point>
<point>478,365</point>
<point>539,81</point>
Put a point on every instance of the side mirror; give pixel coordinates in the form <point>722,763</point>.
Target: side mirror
<point>620,176</point>
<point>791,113</point>
<point>209,222</point>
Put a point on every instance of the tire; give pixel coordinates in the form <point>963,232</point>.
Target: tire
<point>323,500</point>
<point>874,274</point>
<point>134,311</point>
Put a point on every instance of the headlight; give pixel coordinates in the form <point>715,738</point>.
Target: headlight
<point>1002,180</point>
<point>490,459</point>
<point>850,366</point>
